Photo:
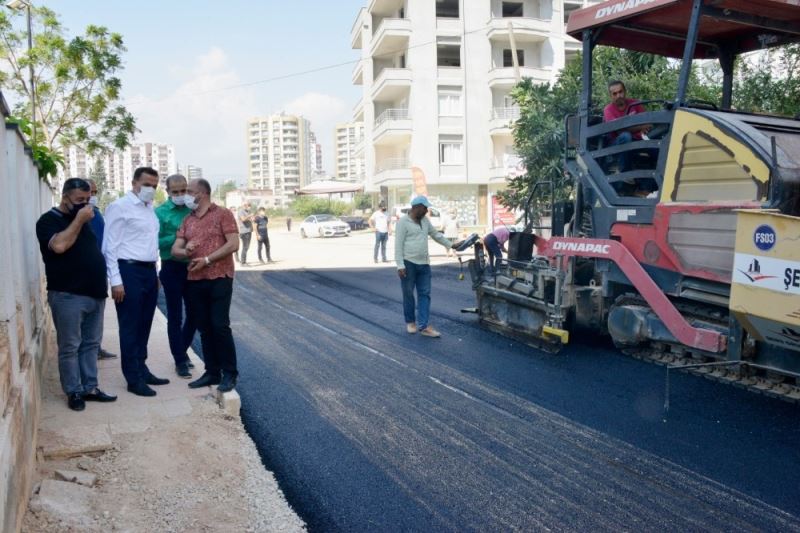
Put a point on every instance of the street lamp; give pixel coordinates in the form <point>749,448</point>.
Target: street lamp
<point>19,5</point>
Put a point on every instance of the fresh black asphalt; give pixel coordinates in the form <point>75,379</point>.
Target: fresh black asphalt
<point>368,428</point>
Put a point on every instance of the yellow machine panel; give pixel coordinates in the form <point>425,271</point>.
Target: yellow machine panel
<point>765,293</point>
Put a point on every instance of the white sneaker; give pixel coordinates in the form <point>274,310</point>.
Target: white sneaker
<point>430,332</point>
<point>411,327</point>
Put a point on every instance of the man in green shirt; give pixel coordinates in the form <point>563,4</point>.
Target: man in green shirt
<point>413,264</point>
<point>173,274</point>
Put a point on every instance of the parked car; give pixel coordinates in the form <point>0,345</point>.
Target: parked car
<point>434,215</point>
<point>356,223</point>
<point>324,226</point>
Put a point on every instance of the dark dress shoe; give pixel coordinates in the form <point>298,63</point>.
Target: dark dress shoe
<point>227,384</point>
<point>153,380</point>
<point>182,369</point>
<point>205,380</point>
<point>99,396</point>
<point>141,389</point>
<point>75,402</point>
<point>102,354</point>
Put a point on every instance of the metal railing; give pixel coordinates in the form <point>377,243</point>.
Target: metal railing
<point>392,114</point>
<point>392,163</point>
<point>505,113</point>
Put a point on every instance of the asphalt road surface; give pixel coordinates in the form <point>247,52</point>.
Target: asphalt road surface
<point>369,428</point>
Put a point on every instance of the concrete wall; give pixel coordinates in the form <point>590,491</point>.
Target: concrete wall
<point>26,332</point>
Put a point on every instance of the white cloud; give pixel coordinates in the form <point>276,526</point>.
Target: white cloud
<point>205,122</point>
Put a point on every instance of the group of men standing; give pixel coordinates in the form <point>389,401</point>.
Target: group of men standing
<point>247,223</point>
<point>195,240</point>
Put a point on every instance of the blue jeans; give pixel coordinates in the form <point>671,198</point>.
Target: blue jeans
<point>380,242</point>
<point>494,250</point>
<point>135,318</point>
<point>419,277</point>
<point>623,159</point>
<point>79,329</point>
<point>179,331</point>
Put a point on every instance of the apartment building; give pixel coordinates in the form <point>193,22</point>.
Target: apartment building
<point>279,155</point>
<point>349,139</point>
<point>315,150</point>
<point>191,172</point>
<point>118,165</point>
<point>436,78</point>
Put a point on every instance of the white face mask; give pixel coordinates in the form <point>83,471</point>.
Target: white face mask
<point>146,194</point>
<point>93,201</point>
<point>190,202</point>
<point>179,200</point>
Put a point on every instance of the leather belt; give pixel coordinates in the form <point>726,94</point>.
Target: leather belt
<point>144,264</point>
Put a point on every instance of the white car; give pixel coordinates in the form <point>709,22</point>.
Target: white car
<point>434,215</point>
<point>324,226</point>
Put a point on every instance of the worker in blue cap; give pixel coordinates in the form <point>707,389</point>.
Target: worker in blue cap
<point>413,265</point>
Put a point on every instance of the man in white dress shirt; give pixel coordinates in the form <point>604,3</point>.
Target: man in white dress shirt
<point>130,246</point>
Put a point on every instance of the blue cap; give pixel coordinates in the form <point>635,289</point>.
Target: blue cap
<point>420,200</point>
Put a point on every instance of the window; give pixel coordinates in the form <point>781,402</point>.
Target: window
<point>512,9</point>
<point>447,8</point>
<point>448,55</point>
<point>450,102</point>
<point>508,60</point>
<point>450,152</point>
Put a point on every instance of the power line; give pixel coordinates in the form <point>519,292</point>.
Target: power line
<point>303,72</point>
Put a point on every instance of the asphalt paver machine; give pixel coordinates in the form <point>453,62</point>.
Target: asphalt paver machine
<point>690,257</point>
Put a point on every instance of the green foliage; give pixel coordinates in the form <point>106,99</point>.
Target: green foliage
<point>304,206</point>
<point>47,160</point>
<point>161,196</point>
<point>362,201</point>
<point>769,82</point>
<point>222,189</point>
<point>77,90</point>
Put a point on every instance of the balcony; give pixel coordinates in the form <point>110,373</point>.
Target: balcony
<point>356,30</point>
<point>503,77</point>
<point>393,126</point>
<point>391,84</point>
<point>358,111</point>
<point>502,120</point>
<point>358,73</point>
<point>358,149</point>
<point>526,30</point>
<point>392,169</point>
<point>450,27</point>
<point>391,37</point>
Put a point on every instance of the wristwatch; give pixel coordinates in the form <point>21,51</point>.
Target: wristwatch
<point>208,262</point>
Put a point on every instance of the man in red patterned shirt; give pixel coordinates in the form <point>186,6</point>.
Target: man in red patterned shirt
<point>208,237</point>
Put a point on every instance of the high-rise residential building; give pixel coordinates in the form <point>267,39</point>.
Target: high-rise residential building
<point>118,165</point>
<point>279,158</point>
<point>436,78</point>
<point>315,150</point>
<point>349,155</point>
<point>191,172</point>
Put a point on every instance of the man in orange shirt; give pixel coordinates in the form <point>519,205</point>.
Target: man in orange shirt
<point>208,237</point>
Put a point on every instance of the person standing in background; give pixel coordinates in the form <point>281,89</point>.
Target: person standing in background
<point>245,230</point>
<point>130,246</point>
<point>289,224</point>
<point>379,221</point>
<point>98,225</point>
<point>262,234</point>
<point>180,329</point>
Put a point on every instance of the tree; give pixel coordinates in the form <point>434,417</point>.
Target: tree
<point>77,90</point>
<point>223,189</point>
<point>769,82</point>
<point>305,206</point>
<point>539,132</point>
<point>362,201</point>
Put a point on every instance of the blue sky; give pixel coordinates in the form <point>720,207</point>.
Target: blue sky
<point>181,52</point>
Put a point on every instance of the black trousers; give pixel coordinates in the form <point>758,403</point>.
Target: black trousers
<point>263,241</point>
<point>179,331</point>
<point>135,318</point>
<point>209,303</point>
<point>245,237</point>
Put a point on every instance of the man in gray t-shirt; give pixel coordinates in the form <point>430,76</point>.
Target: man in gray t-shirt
<point>245,219</point>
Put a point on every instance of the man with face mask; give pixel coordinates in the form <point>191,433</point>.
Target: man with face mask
<point>173,274</point>
<point>209,237</point>
<point>97,224</point>
<point>379,221</point>
<point>76,291</point>
<point>130,246</point>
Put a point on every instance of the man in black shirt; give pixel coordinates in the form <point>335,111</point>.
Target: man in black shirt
<point>76,291</point>
<point>261,221</point>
